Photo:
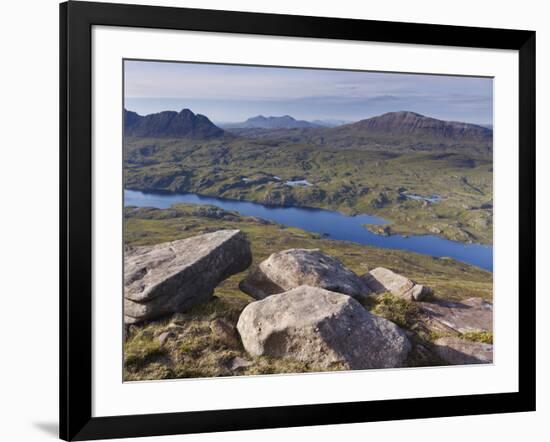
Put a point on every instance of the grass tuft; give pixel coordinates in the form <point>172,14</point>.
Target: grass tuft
<point>400,311</point>
<point>478,336</point>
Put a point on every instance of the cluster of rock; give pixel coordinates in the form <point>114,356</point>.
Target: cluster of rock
<point>306,304</point>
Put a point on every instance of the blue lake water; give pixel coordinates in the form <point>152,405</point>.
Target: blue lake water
<point>334,225</point>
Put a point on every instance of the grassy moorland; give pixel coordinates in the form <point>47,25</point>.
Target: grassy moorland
<point>193,350</point>
<point>360,178</point>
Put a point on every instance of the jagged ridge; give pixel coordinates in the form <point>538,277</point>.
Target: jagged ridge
<point>170,124</point>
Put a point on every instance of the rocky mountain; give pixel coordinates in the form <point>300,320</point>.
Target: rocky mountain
<point>261,122</point>
<point>170,124</point>
<point>405,123</point>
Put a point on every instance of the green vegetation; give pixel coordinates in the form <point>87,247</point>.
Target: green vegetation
<point>478,336</point>
<point>404,313</point>
<point>194,351</point>
<point>359,178</point>
<point>142,350</point>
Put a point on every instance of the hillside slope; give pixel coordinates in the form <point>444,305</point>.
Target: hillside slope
<point>413,124</point>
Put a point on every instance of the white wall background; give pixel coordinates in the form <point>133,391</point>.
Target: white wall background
<point>29,217</point>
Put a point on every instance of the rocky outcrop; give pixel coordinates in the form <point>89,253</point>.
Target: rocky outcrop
<point>174,276</point>
<point>318,326</point>
<point>292,268</point>
<point>382,280</point>
<point>456,351</point>
<point>473,314</point>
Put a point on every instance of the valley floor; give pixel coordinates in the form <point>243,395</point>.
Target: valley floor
<point>351,180</point>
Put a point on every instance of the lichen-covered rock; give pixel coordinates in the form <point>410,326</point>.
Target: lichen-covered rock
<point>381,280</point>
<point>470,315</point>
<point>456,351</point>
<point>292,268</point>
<point>328,329</point>
<point>174,276</point>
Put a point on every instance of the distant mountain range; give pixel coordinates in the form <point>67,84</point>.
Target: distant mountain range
<point>261,122</point>
<point>399,129</point>
<point>170,124</point>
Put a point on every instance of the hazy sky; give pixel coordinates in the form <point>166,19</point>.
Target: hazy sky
<point>227,93</point>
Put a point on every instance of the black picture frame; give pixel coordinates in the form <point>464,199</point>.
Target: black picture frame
<point>76,21</point>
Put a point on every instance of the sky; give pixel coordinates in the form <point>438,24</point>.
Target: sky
<point>233,93</point>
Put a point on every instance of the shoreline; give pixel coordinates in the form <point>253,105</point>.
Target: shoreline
<point>350,230</point>
<point>351,213</point>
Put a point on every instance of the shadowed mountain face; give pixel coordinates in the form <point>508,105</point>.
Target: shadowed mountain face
<point>413,124</point>
<point>261,122</point>
<point>170,124</point>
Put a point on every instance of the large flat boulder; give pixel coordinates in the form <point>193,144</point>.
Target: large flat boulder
<point>381,280</point>
<point>321,327</point>
<point>456,351</point>
<point>292,268</point>
<point>470,315</point>
<point>174,276</point>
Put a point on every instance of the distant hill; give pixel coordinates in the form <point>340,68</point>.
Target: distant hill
<point>411,124</point>
<point>170,124</point>
<point>261,122</point>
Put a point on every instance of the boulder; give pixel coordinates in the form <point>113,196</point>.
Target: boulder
<point>165,336</point>
<point>174,276</point>
<point>225,332</point>
<point>382,280</point>
<point>456,351</point>
<point>473,314</point>
<point>238,363</point>
<point>316,326</point>
<point>292,268</point>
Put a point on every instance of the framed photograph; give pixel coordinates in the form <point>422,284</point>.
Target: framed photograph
<point>272,221</point>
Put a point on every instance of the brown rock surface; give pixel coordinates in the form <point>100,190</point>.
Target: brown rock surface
<point>456,351</point>
<point>473,314</point>
<point>292,268</point>
<point>174,276</point>
<point>325,328</point>
<point>381,280</point>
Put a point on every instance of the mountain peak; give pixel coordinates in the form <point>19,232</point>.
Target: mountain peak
<point>404,113</point>
<point>272,122</point>
<point>170,124</point>
<point>412,123</point>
